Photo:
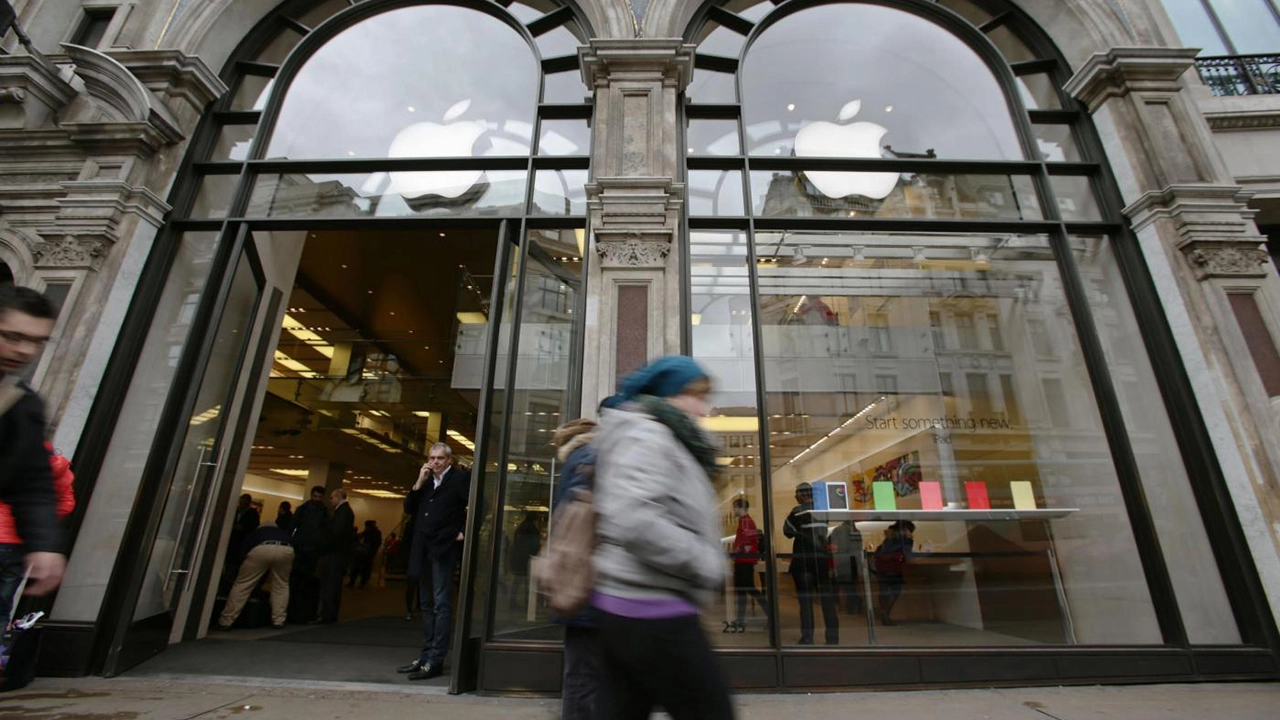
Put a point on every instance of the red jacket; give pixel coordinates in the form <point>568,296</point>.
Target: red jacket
<point>746,544</point>
<point>62,482</point>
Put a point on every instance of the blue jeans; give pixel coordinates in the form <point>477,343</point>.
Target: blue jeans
<point>435,598</point>
<point>12,568</point>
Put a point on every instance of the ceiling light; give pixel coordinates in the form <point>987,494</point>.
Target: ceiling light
<point>206,416</point>
<point>313,340</point>
<point>472,318</point>
<point>888,108</point>
<point>791,107</point>
<point>730,423</point>
<point>295,366</point>
<point>344,266</point>
<point>842,426</point>
<point>422,413</point>
<point>351,153</point>
<point>411,109</point>
<point>441,234</point>
<point>291,472</point>
<point>461,439</point>
<point>385,494</point>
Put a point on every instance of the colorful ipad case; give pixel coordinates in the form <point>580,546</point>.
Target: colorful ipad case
<point>977,494</point>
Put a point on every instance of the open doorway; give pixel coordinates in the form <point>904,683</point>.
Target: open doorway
<point>379,356</point>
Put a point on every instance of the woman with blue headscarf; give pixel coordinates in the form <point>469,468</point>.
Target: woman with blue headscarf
<point>658,557</point>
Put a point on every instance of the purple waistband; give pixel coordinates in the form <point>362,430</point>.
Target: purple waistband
<point>643,609</point>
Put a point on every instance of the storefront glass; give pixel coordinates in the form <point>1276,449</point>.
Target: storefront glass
<point>897,348</point>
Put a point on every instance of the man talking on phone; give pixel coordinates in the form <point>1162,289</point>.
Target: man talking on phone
<point>438,505</point>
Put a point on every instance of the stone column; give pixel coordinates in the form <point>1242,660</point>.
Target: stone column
<point>634,206</point>
<point>1199,241</point>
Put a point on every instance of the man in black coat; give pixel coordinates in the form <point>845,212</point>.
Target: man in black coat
<point>335,555</point>
<point>438,505</point>
<point>26,482</point>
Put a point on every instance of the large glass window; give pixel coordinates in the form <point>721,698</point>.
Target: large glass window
<point>883,273</point>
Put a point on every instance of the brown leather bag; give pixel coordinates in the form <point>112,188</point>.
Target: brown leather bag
<point>565,572</point>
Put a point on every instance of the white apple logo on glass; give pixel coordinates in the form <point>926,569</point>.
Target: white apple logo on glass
<point>436,140</point>
<point>855,140</point>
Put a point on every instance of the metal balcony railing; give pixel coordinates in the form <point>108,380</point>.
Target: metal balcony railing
<point>1241,74</point>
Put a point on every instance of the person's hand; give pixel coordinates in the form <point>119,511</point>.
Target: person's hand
<point>423,474</point>
<point>46,570</point>
<point>459,538</point>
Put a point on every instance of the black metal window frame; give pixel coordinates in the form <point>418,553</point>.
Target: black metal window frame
<point>235,228</point>
<point>1231,551</point>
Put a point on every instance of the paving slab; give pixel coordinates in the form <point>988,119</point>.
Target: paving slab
<point>233,698</point>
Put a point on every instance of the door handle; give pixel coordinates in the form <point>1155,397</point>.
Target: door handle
<point>182,527</point>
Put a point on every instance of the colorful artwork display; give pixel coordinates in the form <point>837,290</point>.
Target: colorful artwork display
<point>902,472</point>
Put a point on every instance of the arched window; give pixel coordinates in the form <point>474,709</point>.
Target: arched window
<point>904,276</point>
<point>383,107</point>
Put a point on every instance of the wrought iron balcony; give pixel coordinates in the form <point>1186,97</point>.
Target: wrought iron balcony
<point>1241,74</point>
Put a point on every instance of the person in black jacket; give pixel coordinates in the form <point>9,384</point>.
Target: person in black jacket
<point>26,481</point>
<point>335,555</point>
<point>309,524</point>
<point>811,567</point>
<point>438,504</point>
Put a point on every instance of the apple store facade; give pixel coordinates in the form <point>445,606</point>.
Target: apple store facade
<point>933,253</point>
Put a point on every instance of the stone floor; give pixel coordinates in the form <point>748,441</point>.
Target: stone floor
<point>212,698</point>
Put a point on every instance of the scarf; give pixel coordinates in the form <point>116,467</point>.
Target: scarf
<point>684,428</point>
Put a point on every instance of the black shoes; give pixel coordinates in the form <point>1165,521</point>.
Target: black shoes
<point>410,667</point>
<point>426,672</point>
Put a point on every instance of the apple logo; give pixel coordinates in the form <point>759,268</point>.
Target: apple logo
<point>423,190</point>
<point>856,140</point>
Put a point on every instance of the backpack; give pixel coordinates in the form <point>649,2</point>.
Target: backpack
<point>890,563</point>
<point>564,572</point>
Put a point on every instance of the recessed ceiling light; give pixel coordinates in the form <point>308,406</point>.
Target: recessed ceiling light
<point>412,109</point>
<point>370,292</point>
<point>351,153</point>
<point>393,312</point>
<point>791,107</point>
<point>344,266</point>
<point>441,234</point>
<point>888,108</point>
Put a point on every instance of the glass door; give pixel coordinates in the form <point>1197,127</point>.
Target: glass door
<point>189,467</point>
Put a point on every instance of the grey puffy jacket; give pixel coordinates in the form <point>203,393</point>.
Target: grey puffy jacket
<point>656,528</point>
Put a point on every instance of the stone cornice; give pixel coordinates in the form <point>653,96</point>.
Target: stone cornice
<point>36,86</point>
<point>118,92</point>
<point>1251,120</point>
<point>1120,71</point>
<point>1213,228</point>
<point>607,59</point>
<point>173,74</point>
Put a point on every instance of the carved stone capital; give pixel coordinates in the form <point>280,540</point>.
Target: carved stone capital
<point>634,201</point>
<point>631,250</point>
<point>1120,71</point>
<point>607,60</point>
<point>31,93</point>
<point>69,251</point>
<point>1221,259</point>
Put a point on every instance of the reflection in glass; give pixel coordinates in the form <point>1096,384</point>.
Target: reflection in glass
<point>1202,598</point>
<point>1251,25</point>
<point>1012,48</point>
<point>188,486</point>
<point>1056,143</point>
<point>446,81</point>
<point>389,194</point>
<point>720,303</point>
<point>233,142</point>
<point>213,197</point>
<point>251,93</point>
<point>930,95</point>
<point>715,192</point>
<point>709,86</point>
<point>858,194</point>
<point>560,192</point>
<point>715,39</point>
<point>1076,200</point>
<point>859,392</point>
<point>1194,27</point>
<point>713,137</point>
<point>1038,92</point>
<point>560,41</point>
<point>565,137</point>
<point>541,402</point>
<point>565,87</point>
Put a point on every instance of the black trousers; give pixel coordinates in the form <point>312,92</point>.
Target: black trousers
<point>660,663</point>
<point>815,583</point>
<point>333,567</point>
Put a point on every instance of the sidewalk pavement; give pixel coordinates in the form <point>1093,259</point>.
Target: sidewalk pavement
<point>211,698</point>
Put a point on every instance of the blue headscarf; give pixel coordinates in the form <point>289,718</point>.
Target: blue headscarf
<point>664,377</point>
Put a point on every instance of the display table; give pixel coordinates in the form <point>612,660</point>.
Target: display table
<point>954,515</point>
